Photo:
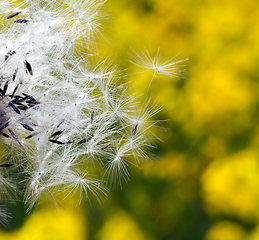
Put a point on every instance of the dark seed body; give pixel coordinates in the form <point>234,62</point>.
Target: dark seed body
<point>14,91</point>
<point>92,117</point>
<point>61,122</point>
<point>56,141</point>
<point>22,107</point>
<point>21,21</point>
<point>27,127</point>
<point>10,53</point>
<point>28,67</point>
<point>14,108</point>
<point>134,131</point>
<point>12,133</point>
<point>32,135</point>
<point>6,165</point>
<point>5,125</point>
<point>5,87</point>
<point>106,146</point>
<point>15,73</point>
<point>2,92</point>
<point>84,140</point>
<point>4,134</point>
<point>56,134</point>
<point>13,15</point>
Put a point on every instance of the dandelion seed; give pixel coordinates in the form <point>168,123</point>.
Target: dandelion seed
<point>134,131</point>
<point>92,117</point>
<point>85,140</point>
<point>4,134</point>
<point>169,67</point>
<point>13,134</point>
<point>27,127</point>
<point>32,135</point>
<point>4,125</point>
<point>9,54</point>
<point>56,141</point>
<point>106,146</point>
<point>60,123</point>
<point>14,91</point>
<point>21,21</point>
<point>28,67</point>
<point>15,73</point>
<point>13,15</point>
<point>14,108</point>
<point>5,165</point>
<point>55,134</point>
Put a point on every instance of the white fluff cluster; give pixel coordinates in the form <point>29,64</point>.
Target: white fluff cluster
<point>61,113</point>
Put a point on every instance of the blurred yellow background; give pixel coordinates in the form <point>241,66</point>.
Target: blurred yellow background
<point>205,182</point>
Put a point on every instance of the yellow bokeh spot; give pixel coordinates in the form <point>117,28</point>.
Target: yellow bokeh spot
<point>225,231</point>
<point>50,223</point>
<point>121,227</point>
<point>170,166</point>
<point>230,185</point>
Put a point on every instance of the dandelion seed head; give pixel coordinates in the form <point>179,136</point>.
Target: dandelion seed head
<point>61,111</point>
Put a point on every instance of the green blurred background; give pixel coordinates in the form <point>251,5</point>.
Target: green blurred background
<point>204,183</point>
